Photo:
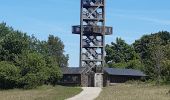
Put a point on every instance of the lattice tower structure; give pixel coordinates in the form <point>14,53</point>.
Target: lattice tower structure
<point>92,31</point>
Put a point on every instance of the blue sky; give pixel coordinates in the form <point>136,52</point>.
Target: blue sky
<point>130,19</point>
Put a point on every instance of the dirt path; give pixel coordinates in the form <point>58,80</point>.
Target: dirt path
<point>88,93</point>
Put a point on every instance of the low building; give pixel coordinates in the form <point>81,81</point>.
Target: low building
<point>71,76</point>
<point>117,75</point>
<point>75,76</point>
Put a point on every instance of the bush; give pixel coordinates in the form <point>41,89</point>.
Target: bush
<point>33,70</point>
<point>9,75</point>
<point>30,81</point>
<point>55,75</point>
<point>54,71</point>
<point>37,70</point>
<point>32,63</point>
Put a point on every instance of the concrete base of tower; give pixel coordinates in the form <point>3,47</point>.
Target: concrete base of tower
<point>92,79</point>
<point>98,80</point>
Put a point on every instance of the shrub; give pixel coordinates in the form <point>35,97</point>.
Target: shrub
<point>54,71</point>
<point>33,70</point>
<point>9,75</point>
<point>37,70</point>
<point>55,75</point>
<point>30,81</point>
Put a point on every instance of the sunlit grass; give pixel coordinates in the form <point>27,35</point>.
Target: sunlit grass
<point>135,92</point>
<point>41,93</point>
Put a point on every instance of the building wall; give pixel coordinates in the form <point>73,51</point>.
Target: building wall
<point>88,80</point>
<point>84,80</point>
<point>71,79</point>
<point>122,79</point>
<point>106,80</point>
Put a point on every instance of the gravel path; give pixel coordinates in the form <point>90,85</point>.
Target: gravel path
<point>88,93</point>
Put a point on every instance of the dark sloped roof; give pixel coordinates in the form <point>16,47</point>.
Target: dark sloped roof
<point>110,71</point>
<point>72,70</point>
<point>123,72</point>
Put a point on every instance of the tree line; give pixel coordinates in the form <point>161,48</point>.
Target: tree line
<point>27,62</point>
<point>150,53</point>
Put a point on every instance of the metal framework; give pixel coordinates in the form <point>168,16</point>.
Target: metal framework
<point>92,32</point>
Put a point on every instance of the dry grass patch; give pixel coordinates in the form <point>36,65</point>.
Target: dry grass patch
<point>135,92</point>
<point>41,93</point>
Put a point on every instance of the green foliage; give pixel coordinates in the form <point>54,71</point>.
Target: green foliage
<point>33,70</point>
<point>9,75</point>
<point>55,74</point>
<point>154,53</point>
<point>151,53</point>
<point>54,48</point>
<point>32,63</point>
<point>12,43</point>
<point>122,55</point>
<point>36,62</point>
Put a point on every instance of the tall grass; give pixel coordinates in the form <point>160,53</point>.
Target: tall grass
<point>41,93</point>
<point>135,92</point>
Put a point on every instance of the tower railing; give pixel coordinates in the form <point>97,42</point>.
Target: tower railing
<point>88,29</point>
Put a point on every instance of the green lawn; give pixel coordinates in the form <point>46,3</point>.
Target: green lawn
<point>135,92</point>
<point>41,93</point>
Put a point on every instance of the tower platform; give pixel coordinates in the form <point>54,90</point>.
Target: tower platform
<point>92,30</point>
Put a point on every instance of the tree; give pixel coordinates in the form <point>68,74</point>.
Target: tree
<point>143,45</point>
<point>166,63</point>
<point>35,62</point>
<point>12,43</point>
<point>120,54</point>
<point>56,49</point>
<point>153,50</point>
<point>157,57</point>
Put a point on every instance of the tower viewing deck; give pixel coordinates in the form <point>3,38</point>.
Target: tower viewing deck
<point>95,30</point>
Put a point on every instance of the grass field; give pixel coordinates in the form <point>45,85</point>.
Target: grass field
<point>135,92</point>
<point>41,93</point>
